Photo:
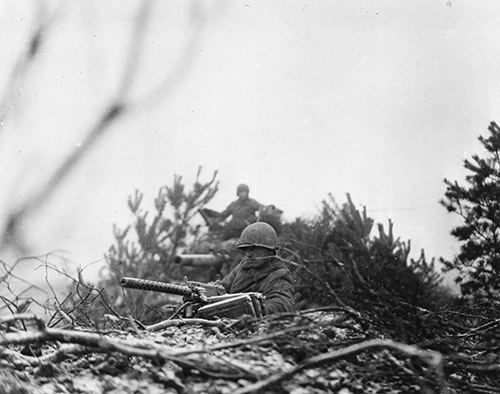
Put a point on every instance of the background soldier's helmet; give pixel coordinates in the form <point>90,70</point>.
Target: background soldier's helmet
<point>242,187</point>
<point>258,234</point>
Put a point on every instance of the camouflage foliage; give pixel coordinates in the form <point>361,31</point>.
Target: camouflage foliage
<point>477,203</point>
<point>147,247</point>
<point>340,258</point>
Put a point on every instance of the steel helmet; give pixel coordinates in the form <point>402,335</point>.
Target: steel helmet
<point>242,187</point>
<point>258,234</point>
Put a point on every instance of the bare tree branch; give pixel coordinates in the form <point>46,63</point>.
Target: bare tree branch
<point>186,60</point>
<point>108,117</point>
<point>90,342</point>
<point>433,359</point>
<point>185,322</point>
<point>25,60</point>
<point>117,108</point>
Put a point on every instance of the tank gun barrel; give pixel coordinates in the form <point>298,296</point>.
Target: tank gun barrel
<point>199,260</point>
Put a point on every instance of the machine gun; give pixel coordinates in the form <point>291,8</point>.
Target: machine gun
<point>198,302</point>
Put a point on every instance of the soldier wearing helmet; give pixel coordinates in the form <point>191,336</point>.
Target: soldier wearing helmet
<point>242,211</point>
<point>261,271</point>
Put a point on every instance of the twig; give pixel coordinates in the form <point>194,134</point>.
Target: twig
<point>473,365</point>
<point>25,60</point>
<point>65,317</point>
<point>133,324</point>
<point>243,342</point>
<point>484,367</point>
<point>111,113</point>
<point>89,339</point>
<point>350,311</point>
<point>8,304</point>
<point>23,316</point>
<point>179,310</point>
<point>433,359</point>
<point>10,274</point>
<point>82,342</point>
<point>48,282</point>
<point>185,322</point>
<point>323,282</point>
<point>183,64</point>
<point>49,323</point>
<point>238,365</point>
<point>482,389</point>
<point>480,330</point>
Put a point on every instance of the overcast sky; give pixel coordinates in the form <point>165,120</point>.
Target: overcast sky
<point>298,99</point>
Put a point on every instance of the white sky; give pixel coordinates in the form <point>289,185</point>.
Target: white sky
<point>379,99</point>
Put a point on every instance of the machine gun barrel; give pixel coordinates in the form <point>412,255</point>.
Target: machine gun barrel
<point>201,305</point>
<point>152,285</point>
<point>199,260</point>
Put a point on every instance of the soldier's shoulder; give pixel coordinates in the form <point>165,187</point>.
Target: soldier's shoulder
<point>278,269</point>
<point>252,201</point>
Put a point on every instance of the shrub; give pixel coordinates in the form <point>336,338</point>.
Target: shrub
<point>478,204</point>
<point>341,260</point>
<point>146,249</point>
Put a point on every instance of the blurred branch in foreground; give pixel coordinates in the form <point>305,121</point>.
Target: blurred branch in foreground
<point>25,60</point>
<point>118,106</point>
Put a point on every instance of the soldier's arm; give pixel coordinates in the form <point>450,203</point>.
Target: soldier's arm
<point>226,212</point>
<point>228,280</point>
<point>279,297</point>
<point>257,205</point>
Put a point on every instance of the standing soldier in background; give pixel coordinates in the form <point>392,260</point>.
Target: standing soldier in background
<point>242,212</point>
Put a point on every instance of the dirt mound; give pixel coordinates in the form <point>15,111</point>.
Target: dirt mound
<point>309,352</point>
